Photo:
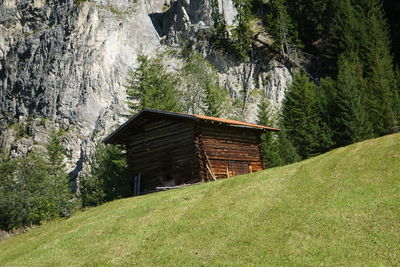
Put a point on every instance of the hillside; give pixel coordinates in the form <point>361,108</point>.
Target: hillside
<point>338,208</point>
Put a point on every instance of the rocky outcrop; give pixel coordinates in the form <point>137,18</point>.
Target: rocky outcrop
<point>191,21</point>
<point>63,64</point>
<point>67,63</point>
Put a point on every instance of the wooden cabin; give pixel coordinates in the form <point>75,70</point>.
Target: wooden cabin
<point>168,148</point>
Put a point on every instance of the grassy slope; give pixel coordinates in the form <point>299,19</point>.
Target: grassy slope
<point>339,208</point>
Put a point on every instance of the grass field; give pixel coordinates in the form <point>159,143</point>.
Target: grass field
<point>340,208</point>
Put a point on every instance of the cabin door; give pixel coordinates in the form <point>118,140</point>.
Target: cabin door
<point>181,171</point>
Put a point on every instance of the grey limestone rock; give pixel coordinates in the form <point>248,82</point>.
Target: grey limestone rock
<point>64,63</point>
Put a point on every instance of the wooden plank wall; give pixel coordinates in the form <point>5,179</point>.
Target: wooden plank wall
<point>231,151</point>
<point>163,151</point>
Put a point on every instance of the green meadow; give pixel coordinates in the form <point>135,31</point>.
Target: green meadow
<point>339,208</point>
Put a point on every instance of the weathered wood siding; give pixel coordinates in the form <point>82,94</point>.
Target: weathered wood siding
<point>229,151</point>
<point>161,152</point>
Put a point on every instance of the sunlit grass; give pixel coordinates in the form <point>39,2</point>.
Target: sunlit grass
<point>341,208</point>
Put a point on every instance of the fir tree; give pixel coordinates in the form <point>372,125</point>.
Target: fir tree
<point>312,20</point>
<point>220,37</point>
<point>151,86</point>
<point>345,33</point>
<point>277,149</point>
<point>352,122</point>
<point>301,118</point>
<point>327,107</point>
<point>392,11</point>
<point>269,142</point>
<point>286,149</point>
<point>57,174</point>
<point>379,70</point>
<point>360,38</point>
<point>322,109</point>
<point>397,102</point>
<point>265,114</point>
<point>281,26</point>
<point>242,33</point>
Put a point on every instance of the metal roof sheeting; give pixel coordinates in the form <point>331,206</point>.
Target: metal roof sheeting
<point>227,122</point>
<point>233,122</point>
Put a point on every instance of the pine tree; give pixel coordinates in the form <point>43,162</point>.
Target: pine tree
<point>220,37</point>
<point>287,151</point>
<point>352,122</point>
<point>269,141</point>
<point>151,86</point>
<point>281,26</point>
<point>242,32</point>
<point>57,174</point>
<point>397,102</point>
<point>324,118</point>
<point>302,119</point>
<point>345,33</point>
<point>379,71</point>
<point>313,20</point>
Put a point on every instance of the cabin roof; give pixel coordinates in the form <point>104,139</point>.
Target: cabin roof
<point>152,113</point>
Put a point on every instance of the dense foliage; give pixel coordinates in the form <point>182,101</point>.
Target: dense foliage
<point>34,188</point>
<point>356,93</point>
<point>199,84</point>
<point>277,149</point>
<point>194,89</point>
<point>108,178</point>
<point>152,86</point>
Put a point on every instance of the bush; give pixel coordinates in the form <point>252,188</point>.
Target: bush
<point>28,193</point>
<point>34,188</point>
<point>108,178</point>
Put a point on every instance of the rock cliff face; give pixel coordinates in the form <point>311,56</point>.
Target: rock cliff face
<point>64,63</point>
